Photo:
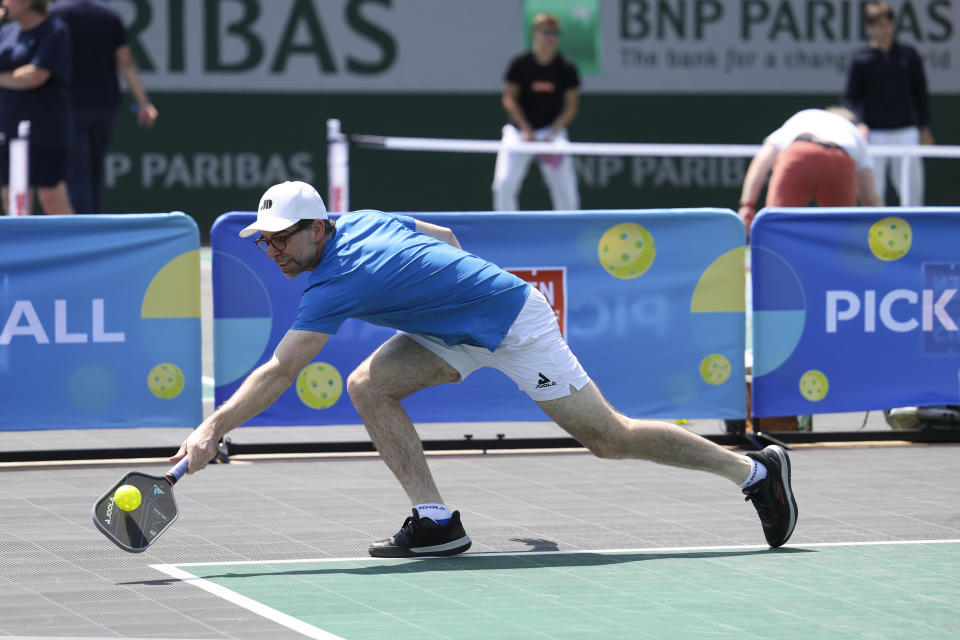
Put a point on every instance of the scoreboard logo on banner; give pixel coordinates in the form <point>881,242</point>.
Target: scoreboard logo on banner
<point>552,283</point>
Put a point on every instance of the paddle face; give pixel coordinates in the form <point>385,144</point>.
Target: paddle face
<point>135,530</point>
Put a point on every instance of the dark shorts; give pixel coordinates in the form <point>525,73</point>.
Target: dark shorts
<point>48,165</point>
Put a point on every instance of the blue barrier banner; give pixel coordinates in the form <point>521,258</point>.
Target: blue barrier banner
<point>855,309</point>
<point>99,321</point>
<point>652,303</point>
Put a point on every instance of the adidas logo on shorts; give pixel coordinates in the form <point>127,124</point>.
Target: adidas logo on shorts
<point>544,381</point>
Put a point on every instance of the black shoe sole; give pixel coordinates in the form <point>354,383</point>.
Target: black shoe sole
<point>451,548</point>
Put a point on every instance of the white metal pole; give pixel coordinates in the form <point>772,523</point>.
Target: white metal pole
<point>19,179</point>
<point>906,199</point>
<point>338,168</point>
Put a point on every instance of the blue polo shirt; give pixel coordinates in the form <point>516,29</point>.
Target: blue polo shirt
<point>47,107</point>
<point>378,269</point>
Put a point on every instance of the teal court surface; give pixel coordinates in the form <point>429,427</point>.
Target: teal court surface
<point>565,545</point>
<point>836,590</point>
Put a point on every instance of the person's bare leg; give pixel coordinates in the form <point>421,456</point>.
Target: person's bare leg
<point>396,369</point>
<point>55,200</point>
<point>589,418</point>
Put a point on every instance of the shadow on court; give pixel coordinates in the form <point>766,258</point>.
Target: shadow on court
<point>477,562</point>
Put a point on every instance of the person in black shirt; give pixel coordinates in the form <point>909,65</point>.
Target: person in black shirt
<point>34,76</point>
<point>100,49</point>
<point>541,98</point>
<point>887,91</point>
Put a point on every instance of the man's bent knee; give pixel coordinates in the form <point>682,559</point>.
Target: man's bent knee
<point>360,385</point>
<point>608,445</point>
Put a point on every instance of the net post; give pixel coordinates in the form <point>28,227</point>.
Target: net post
<point>19,178</point>
<point>338,168</point>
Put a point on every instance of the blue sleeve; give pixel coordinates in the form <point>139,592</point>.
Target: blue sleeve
<point>53,53</point>
<point>324,307</point>
<point>407,221</point>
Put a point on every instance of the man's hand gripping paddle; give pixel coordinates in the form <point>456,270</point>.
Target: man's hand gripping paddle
<point>135,529</point>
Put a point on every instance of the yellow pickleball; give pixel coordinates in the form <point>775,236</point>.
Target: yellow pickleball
<point>890,238</point>
<point>626,250</point>
<point>814,385</point>
<point>165,380</point>
<point>319,385</point>
<point>127,497</point>
<point>715,369</point>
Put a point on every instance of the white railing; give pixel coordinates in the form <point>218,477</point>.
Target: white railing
<point>338,171</point>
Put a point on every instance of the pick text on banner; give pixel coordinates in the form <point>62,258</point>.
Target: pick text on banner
<point>855,309</point>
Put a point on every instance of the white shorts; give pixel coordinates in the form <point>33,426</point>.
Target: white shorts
<point>533,353</point>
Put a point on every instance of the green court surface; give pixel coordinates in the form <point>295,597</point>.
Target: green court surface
<point>830,590</point>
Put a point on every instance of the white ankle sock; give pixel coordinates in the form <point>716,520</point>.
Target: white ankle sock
<point>439,513</point>
<point>758,473</point>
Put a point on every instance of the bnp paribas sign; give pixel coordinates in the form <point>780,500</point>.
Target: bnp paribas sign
<point>450,46</point>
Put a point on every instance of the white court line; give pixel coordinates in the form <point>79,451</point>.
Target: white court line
<point>493,554</point>
<point>252,605</point>
<point>311,631</point>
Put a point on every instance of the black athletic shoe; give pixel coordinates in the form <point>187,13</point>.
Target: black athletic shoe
<point>773,496</point>
<point>423,537</point>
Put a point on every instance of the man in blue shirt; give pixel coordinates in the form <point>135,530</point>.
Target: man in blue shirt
<point>455,312</point>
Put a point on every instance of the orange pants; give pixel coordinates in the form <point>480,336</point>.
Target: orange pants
<point>807,172</point>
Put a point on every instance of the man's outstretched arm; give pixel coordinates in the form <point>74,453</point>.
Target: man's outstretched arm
<point>442,234</point>
<point>260,390</point>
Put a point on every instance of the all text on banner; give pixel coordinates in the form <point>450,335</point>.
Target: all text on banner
<point>99,321</point>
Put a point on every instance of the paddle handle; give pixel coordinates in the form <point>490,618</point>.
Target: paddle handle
<point>177,470</point>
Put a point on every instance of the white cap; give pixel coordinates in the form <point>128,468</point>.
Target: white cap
<point>285,204</point>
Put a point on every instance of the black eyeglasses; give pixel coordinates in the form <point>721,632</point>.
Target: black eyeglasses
<point>280,242</point>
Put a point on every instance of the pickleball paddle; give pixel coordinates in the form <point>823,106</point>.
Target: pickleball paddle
<point>136,530</point>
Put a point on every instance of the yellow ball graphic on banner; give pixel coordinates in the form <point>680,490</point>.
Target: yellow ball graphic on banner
<point>165,380</point>
<point>715,369</point>
<point>814,385</point>
<point>890,238</point>
<point>319,385</point>
<point>626,250</point>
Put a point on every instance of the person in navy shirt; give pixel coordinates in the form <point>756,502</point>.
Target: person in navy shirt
<point>887,90</point>
<point>34,76</point>
<point>99,44</point>
<point>455,312</point>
